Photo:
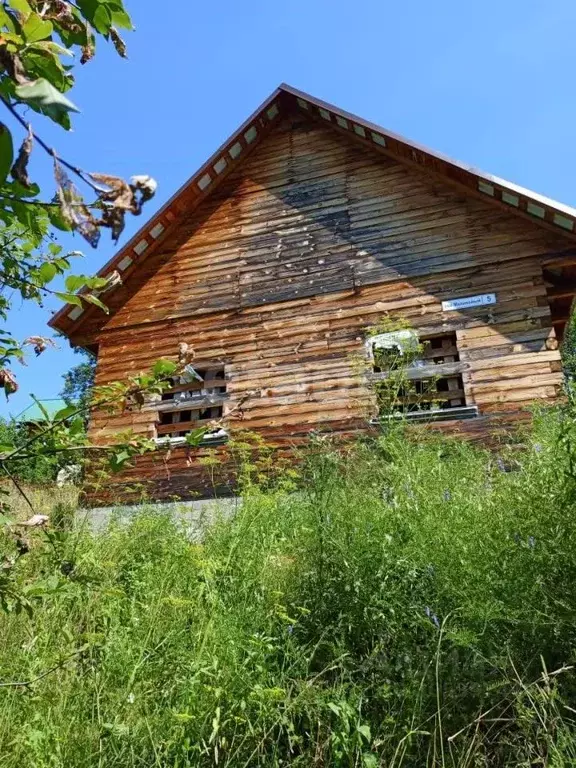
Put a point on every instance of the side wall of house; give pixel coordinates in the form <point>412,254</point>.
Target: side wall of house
<point>280,273</point>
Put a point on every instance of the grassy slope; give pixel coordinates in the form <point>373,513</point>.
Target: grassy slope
<point>414,605</point>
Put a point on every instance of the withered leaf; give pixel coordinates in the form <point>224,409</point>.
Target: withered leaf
<point>113,280</point>
<point>35,521</point>
<point>40,343</point>
<point>119,191</point>
<point>119,44</point>
<point>20,168</point>
<point>13,66</point>
<point>89,47</point>
<point>72,206</point>
<point>115,219</point>
<point>8,381</point>
<point>88,51</point>
<point>62,10</point>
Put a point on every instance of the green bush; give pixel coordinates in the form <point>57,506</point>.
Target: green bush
<point>40,470</point>
<point>412,604</point>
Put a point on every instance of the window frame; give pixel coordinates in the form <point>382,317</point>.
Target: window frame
<point>451,371</point>
<point>201,392</point>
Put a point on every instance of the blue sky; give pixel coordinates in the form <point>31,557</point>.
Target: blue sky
<point>487,83</point>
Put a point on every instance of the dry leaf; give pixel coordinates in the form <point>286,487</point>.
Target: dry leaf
<point>72,207</point>
<point>8,381</point>
<point>119,44</point>
<point>13,66</point>
<point>35,521</point>
<point>20,167</point>
<point>40,343</point>
<point>113,280</point>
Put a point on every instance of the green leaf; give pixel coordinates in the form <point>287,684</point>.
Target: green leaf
<point>102,20</point>
<point>36,28</point>
<point>117,460</point>
<point>95,283</point>
<point>65,413</point>
<point>6,20</point>
<point>52,47</point>
<point>7,448</point>
<point>44,98</point>
<point>57,220</point>
<point>75,282</point>
<point>20,5</point>
<point>6,152</point>
<point>119,16</point>
<point>89,297</point>
<point>70,298</point>
<point>77,426</point>
<point>47,272</point>
<point>365,731</point>
<point>97,14</point>
<point>196,436</point>
<point>163,367</point>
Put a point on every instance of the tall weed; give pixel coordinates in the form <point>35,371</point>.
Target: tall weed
<point>412,603</point>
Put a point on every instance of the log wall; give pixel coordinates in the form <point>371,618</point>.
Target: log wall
<point>281,271</point>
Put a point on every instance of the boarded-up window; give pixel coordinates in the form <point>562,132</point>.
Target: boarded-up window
<point>418,377</point>
<point>195,400</point>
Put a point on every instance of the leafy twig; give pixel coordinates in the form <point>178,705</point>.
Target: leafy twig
<point>26,683</point>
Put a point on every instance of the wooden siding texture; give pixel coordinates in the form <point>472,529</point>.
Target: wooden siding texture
<point>280,272</point>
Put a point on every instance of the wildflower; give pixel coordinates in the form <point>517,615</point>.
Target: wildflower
<point>447,495</point>
<point>130,698</point>
<point>531,542</point>
<point>538,447</point>
<point>290,629</point>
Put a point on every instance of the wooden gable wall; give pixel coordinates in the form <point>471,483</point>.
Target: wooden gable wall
<point>311,241</point>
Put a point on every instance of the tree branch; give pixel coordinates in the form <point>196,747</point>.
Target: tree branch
<point>45,204</point>
<point>18,486</point>
<point>52,152</point>
<point>25,683</point>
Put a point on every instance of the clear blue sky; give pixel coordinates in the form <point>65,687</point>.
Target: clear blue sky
<point>489,83</point>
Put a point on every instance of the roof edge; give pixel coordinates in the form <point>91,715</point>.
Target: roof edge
<point>517,200</point>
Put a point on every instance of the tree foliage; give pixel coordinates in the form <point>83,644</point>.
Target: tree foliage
<point>79,381</point>
<point>40,41</point>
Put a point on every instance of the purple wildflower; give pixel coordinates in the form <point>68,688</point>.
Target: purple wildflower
<point>447,495</point>
<point>538,447</point>
<point>290,628</point>
<point>531,542</point>
<point>501,464</point>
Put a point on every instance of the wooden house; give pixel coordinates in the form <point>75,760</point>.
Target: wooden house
<point>306,228</point>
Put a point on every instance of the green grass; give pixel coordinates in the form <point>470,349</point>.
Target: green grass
<point>412,604</point>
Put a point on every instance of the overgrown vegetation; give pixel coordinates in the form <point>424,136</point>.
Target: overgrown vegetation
<point>412,604</point>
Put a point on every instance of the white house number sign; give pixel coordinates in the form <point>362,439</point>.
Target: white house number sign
<point>470,301</point>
